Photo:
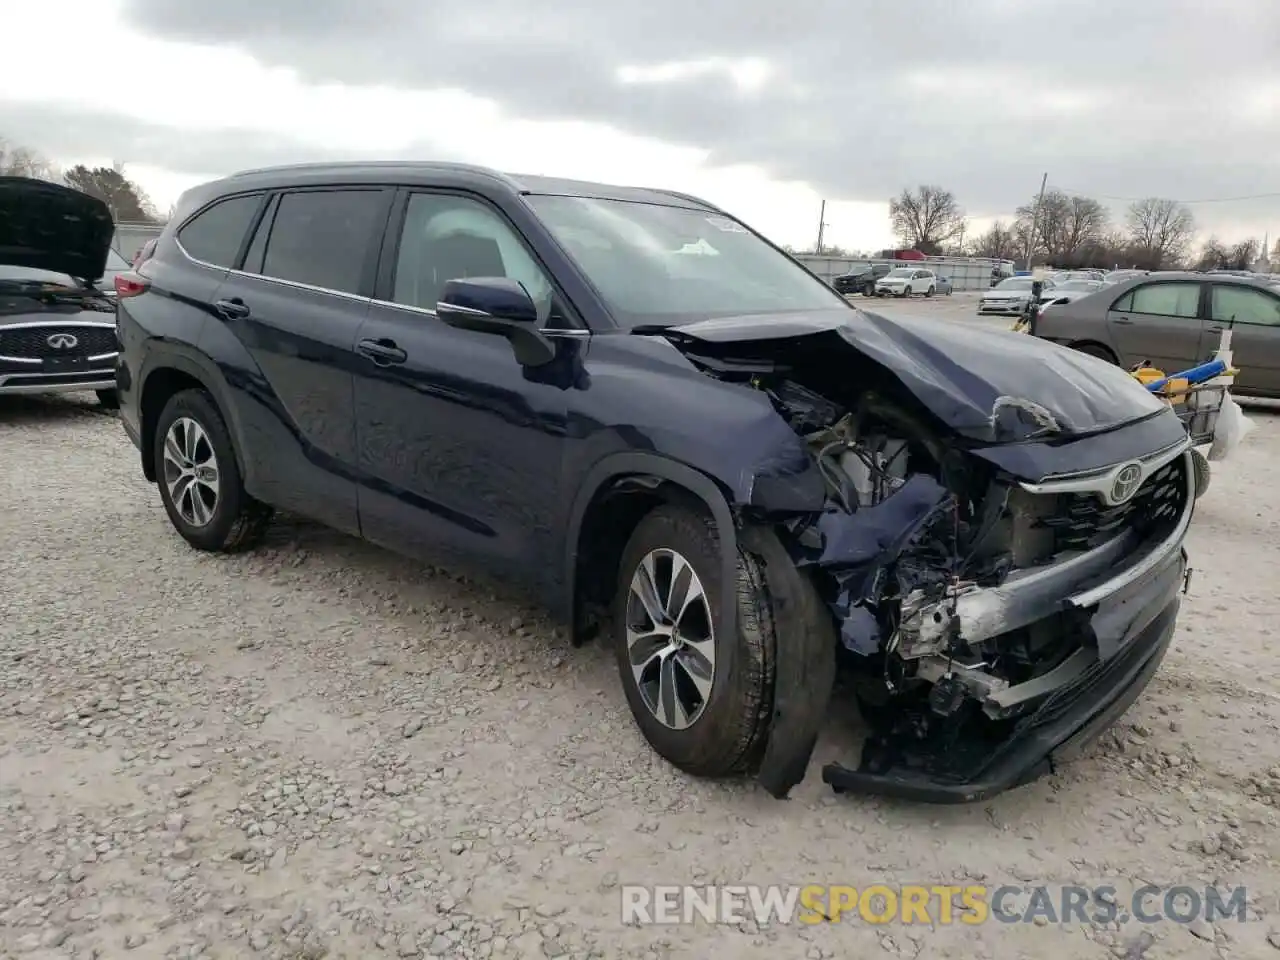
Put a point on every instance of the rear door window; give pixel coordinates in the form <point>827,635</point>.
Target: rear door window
<point>214,235</point>
<point>1162,300</point>
<point>322,238</point>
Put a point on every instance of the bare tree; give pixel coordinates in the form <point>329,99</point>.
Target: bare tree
<point>16,161</point>
<point>1162,229</point>
<point>999,243</point>
<point>1213,255</point>
<point>1066,226</point>
<point>926,218</point>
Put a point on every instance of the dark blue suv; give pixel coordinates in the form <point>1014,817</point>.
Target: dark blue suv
<point>632,403</point>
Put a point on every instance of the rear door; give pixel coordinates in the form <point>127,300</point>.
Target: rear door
<point>1160,322</point>
<point>295,306</point>
<point>1254,317</point>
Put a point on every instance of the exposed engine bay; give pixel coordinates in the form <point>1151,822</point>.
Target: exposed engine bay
<point>914,527</point>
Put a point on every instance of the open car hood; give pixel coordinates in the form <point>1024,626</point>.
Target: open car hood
<point>990,386</point>
<point>47,226</point>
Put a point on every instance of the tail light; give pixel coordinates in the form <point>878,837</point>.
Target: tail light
<point>130,285</point>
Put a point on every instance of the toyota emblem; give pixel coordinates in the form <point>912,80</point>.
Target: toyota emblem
<point>1126,482</point>
<point>62,341</point>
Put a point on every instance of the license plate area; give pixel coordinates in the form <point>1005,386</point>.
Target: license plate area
<point>66,365</point>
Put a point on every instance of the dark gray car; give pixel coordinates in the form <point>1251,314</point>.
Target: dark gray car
<point>1174,321</point>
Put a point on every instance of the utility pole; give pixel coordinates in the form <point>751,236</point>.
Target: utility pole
<point>822,223</point>
<point>1035,220</point>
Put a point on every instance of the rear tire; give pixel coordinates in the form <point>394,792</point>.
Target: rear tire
<point>1096,350</point>
<point>1200,465</point>
<point>108,399</point>
<point>199,477</point>
<point>727,721</point>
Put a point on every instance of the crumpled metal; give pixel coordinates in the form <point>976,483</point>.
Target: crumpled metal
<point>859,549</point>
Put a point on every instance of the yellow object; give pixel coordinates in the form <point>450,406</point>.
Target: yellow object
<point>1146,375</point>
<point>1176,390</point>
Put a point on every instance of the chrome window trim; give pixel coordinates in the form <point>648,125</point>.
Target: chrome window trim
<point>296,284</point>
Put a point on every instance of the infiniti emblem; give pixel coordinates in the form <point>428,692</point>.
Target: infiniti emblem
<point>62,341</point>
<point>1127,480</point>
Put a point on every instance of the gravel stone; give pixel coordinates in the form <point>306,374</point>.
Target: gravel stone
<point>275,753</point>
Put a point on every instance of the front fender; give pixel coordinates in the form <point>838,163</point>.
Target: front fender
<point>806,636</point>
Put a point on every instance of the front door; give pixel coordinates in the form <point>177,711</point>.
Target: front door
<point>296,308</point>
<point>460,447</point>
<point>1159,322</point>
<point>1254,317</point>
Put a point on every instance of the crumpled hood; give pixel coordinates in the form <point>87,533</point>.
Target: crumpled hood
<point>991,386</point>
<point>47,226</point>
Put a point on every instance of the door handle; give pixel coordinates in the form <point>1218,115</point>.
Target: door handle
<point>1218,327</point>
<point>232,309</point>
<point>382,352</point>
<point>1124,321</point>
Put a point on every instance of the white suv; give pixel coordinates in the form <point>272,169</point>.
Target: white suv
<point>904,281</point>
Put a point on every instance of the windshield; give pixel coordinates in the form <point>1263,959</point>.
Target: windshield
<point>1015,283</point>
<point>32,275</point>
<point>655,264</point>
<point>899,274</point>
<point>1078,285</point>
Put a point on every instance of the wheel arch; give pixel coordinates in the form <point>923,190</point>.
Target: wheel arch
<point>615,494</point>
<point>1095,348</point>
<point>169,370</point>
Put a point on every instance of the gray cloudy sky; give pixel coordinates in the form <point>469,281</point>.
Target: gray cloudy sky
<point>1126,98</point>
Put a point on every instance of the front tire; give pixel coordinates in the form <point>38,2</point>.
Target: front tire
<point>702,699</point>
<point>869,290</point>
<point>199,478</point>
<point>929,292</point>
<point>108,399</point>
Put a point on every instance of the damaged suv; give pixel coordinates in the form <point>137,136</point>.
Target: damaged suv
<point>631,402</point>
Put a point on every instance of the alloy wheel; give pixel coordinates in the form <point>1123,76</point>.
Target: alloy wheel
<point>670,639</point>
<point>191,471</point>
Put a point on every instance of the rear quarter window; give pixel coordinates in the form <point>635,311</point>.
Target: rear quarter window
<point>214,235</point>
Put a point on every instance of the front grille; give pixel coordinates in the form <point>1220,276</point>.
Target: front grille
<point>32,343</point>
<point>1081,521</point>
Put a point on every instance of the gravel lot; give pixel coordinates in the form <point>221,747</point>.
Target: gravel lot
<point>321,749</point>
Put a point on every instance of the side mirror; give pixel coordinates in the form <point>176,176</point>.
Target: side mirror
<point>497,305</point>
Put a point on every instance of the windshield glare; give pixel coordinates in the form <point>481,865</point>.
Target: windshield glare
<point>899,274</point>
<point>656,264</point>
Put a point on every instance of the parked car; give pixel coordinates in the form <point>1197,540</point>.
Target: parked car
<point>944,286</point>
<point>860,278</point>
<point>1119,276</point>
<point>904,281</point>
<point>57,328</point>
<point>115,266</point>
<point>1069,290</point>
<point>1009,297</point>
<point>1173,321</point>
<point>630,402</point>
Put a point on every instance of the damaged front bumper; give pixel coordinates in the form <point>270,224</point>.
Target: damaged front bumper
<point>1122,597</point>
